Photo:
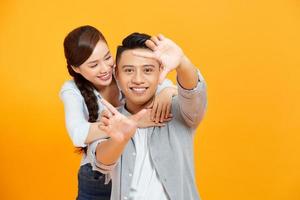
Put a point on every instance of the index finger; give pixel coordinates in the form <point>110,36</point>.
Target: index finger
<point>150,44</point>
<point>109,107</point>
<point>149,54</point>
<point>161,37</point>
<point>106,113</point>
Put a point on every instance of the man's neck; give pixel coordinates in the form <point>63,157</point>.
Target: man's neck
<point>133,108</point>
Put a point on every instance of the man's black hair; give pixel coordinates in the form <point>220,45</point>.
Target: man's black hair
<point>132,41</point>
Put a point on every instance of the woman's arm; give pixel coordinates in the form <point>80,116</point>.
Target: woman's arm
<point>161,106</point>
<point>79,129</point>
<point>94,133</point>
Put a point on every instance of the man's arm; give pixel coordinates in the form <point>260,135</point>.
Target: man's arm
<point>192,92</point>
<point>191,86</point>
<point>120,129</point>
<point>187,75</point>
<point>193,102</point>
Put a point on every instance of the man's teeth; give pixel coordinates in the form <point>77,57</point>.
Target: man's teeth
<point>138,89</point>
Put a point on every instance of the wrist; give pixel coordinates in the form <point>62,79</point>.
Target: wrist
<point>184,62</point>
<point>122,141</point>
<point>174,91</point>
<point>169,91</point>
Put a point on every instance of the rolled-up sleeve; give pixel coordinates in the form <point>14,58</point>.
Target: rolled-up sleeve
<point>193,102</point>
<point>76,122</point>
<point>96,165</point>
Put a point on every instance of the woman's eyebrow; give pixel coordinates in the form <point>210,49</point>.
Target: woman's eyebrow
<point>94,61</point>
<point>107,53</point>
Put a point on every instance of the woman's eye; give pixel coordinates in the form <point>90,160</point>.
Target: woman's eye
<point>93,66</point>
<point>107,58</point>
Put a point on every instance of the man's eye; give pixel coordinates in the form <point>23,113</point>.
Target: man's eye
<point>148,70</point>
<point>128,70</point>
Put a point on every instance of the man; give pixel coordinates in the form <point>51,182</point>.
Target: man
<point>152,163</point>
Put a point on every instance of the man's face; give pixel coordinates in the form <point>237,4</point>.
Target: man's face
<point>138,77</point>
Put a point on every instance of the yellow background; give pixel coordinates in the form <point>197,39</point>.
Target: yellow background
<point>247,147</point>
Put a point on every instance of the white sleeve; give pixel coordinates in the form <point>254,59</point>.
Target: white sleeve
<point>76,122</point>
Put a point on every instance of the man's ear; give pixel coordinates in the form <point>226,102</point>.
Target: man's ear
<point>76,69</point>
<point>161,67</point>
<point>116,71</point>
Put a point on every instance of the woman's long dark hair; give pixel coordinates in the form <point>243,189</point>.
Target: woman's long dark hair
<point>79,44</point>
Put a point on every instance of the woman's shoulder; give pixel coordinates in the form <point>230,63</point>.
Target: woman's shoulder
<point>69,86</point>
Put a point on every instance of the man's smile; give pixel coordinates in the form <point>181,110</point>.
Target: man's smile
<point>138,90</point>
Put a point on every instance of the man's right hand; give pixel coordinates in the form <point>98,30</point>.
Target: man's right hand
<point>116,125</point>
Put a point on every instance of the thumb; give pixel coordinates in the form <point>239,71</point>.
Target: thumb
<point>136,117</point>
<point>163,75</point>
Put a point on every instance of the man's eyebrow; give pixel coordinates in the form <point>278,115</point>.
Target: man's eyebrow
<point>146,65</point>
<point>127,66</point>
<point>149,65</point>
<point>94,61</point>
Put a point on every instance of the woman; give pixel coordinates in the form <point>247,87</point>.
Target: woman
<point>91,65</point>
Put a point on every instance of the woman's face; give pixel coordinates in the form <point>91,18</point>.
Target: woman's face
<point>98,67</point>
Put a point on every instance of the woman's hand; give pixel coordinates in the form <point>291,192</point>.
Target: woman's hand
<point>116,125</point>
<point>161,105</point>
<point>146,120</point>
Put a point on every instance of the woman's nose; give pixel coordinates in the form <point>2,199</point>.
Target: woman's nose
<point>104,68</point>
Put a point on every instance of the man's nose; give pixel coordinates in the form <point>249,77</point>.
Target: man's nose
<point>138,77</point>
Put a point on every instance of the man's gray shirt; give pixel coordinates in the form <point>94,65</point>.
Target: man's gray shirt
<point>171,149</point>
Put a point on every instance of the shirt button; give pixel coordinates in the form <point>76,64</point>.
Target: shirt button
<point>134,154</point>
<point>125,198</point>
<point>130,174</point>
